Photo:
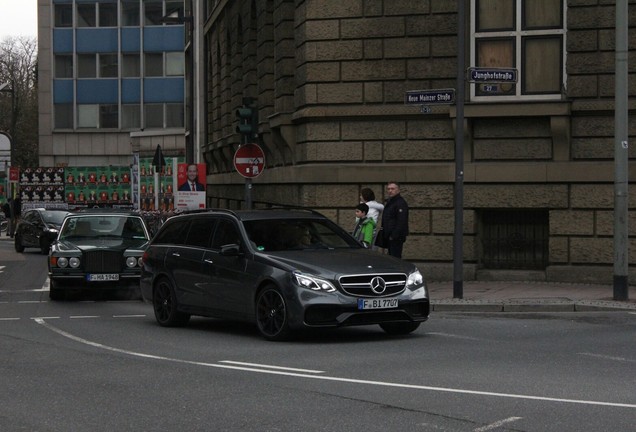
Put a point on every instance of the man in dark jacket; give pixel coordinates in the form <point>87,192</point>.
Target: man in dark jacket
<point>395,220</point>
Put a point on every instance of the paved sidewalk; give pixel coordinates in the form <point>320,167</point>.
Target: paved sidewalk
<point>488,296</point>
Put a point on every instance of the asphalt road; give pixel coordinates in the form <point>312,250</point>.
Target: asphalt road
<point>105,365</point>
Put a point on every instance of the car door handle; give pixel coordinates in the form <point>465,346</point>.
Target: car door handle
<point>176,254</point>
<point>209,261</point>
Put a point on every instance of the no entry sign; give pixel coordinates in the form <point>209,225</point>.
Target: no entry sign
<point>249,160</point>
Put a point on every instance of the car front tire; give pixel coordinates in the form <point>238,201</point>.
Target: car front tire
<point>18,244</point>
<point>55,292</point>
<point>400,328</point>
<point>272,317</point>
<point>164,302</point>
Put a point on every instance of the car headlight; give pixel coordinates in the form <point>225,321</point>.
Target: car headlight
<point>62,262</point>
<point>74,262</point>
<point>313,283</point>
<point>132,261</point>
<point>414,279</point>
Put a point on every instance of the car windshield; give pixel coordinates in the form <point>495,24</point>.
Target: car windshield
<point>275,235</point>
<point>103,225</point>
<point>54,216</point>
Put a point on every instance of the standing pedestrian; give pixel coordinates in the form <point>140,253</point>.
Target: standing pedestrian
<point>375,208</point>
<point>9,211</point>
<point>395,220</point>
<point>365,227</point>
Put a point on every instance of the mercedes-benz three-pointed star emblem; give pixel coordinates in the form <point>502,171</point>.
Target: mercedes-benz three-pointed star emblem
<point>378,285</point>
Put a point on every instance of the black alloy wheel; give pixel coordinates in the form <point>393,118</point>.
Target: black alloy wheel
<point>271,315</point>
<point>164,302</point>
<point>19,247</point>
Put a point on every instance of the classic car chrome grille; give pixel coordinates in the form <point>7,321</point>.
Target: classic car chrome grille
<point>103,262</point>
<point>362,285</point>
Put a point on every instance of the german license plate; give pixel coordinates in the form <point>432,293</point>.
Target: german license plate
<point>102,277</point>
<point>380,303</point>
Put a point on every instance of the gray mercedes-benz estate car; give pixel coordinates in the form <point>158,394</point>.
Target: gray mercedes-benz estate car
<point>281,269</point>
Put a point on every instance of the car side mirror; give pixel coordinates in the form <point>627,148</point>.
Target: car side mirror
<point>230,250</point>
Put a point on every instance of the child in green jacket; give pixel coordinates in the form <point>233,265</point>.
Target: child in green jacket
<point>363,232</point>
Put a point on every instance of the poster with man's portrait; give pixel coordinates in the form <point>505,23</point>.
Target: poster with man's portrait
<point>191,186</point>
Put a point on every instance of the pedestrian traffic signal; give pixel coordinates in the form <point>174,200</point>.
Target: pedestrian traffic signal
<point>247,116</point>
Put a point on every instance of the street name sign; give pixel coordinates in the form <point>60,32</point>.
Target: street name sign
<point>426,97</point>
<point>492,75</point>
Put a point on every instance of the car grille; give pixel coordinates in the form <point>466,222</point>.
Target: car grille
<point>362,285</point>
<point>103,262</point>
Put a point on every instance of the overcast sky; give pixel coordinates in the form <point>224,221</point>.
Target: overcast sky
<point>18,18</point>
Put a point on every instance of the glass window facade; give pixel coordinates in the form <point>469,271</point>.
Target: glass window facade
<point>102,62</point>
<point>526,35</point>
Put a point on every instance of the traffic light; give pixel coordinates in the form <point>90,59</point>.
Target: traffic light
<point>247,116</point>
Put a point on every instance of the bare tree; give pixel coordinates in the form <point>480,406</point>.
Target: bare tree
<point>19,98</point>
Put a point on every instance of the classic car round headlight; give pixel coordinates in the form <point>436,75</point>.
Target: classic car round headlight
<point>140,262</point>
<point>62,262</point>
<point>74,262</point>
<point>131,262</point>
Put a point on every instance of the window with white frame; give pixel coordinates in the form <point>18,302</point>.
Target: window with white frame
<point>526,35</point>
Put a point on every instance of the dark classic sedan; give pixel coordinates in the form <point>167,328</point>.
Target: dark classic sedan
<point>38,228</point>
<point>97,252</point>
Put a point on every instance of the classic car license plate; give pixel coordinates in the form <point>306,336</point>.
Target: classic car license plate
<point>97,277</point>
<point>380,303</point>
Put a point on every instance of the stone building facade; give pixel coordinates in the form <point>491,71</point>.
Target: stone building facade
<point>329,79</point>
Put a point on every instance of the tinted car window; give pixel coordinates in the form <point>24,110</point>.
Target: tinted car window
<point>200,232</point>
<point>226,233</point>
<point>279,235</point>
<point>31,216</point>
<point>56,217</point>
<point>173,232</point>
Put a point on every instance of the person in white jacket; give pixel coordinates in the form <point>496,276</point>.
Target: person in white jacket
<point>375,208</point>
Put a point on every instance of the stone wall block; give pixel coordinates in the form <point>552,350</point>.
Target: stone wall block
<point>373,70</point>
<point>515,196</point>
<point>373,92</point>
<point>436,248</point>
<point>439,24</point>
<point>372,151</point>
<point>331,50</point>
<point>321,9</point>
<point>593,148</point>
<point>582,40</point>
<point>431,150</point>
<point>510,149</point>
<point>416,47</point>
<point>604,225</point>
<point>571,222</point>
<point>406,7</point>
<point>430,128</point>
<point>362,28</point>
<point>592,196</point>
<point>591,18</point>
<point>332,195</point>
<point>340,93</point>
<point>373,130</point>
<point>558,250</point>
<point>428,196</point>
<point>318,72</point>
<point>591,250</point>
<point>444,222</point>
<point>582,86</point>
<point>419,221</point>
<point>327,131</point>
<point>598,62</point>
<point>320,30</point>
<point>333,151</point>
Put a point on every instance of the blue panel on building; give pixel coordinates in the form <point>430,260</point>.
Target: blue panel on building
<point>62,91</point>
<point>62,41</point>
<point>96,40</point>
<point>157,90</point>
<point>131,90</point>
<point>131,39</point>
<point>97,91</point>
<point>62,1</point>
<point>164,38</point>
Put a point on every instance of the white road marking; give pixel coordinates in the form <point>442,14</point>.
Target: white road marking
<point>9,319</point>
<point>42,322</point>
<point>450,335</point>
<point>31,301</point>
<point>497,424</point>
<point>129,316</point>
<point>606,357</point>
<point>271,367</point>
<point>83,316</point>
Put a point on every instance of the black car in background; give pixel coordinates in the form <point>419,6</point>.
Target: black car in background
<point>98,251</point>
<point>38,228</point>
<point>281,269</point>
